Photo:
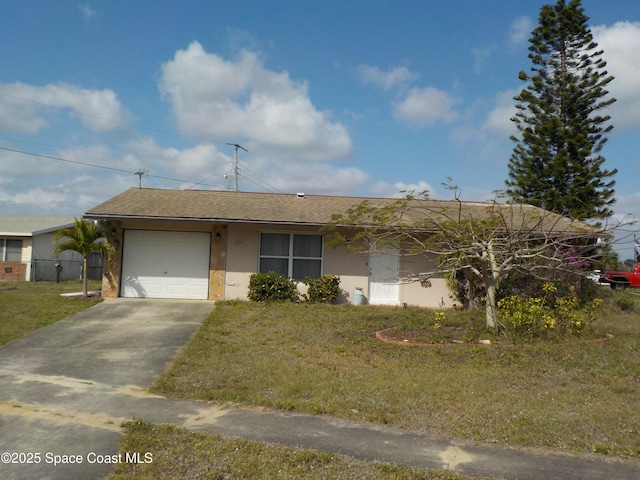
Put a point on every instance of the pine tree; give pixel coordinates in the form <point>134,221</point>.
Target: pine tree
<point>556,163</point>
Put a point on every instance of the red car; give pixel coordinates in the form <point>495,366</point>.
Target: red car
<point>621,280</point>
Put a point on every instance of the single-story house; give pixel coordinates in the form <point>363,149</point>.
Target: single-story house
<point>26,250</point>
<point>204,244</point>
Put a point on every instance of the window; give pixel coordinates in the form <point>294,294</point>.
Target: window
<point>296,256</point>
<point>13,251</point>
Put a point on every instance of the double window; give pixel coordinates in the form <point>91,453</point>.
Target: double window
<point>292,255</point>
<point>10,250</point>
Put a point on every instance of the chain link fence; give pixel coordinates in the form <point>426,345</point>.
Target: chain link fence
<point>47,270</point>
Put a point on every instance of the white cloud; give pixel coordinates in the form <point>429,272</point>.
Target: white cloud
<point>26,108</point>
<point>87,11</point>
<point>204,166</point>
<point>316,178</point>
<point>16,115</point>
<point>621,44</point>
<point>399,189</point>
<point>14,165</point>
<point>627,207</point>
<point>520,30</point>
<point>72,195</point>
<point>499,118</point>
<point>228,100</point>
<point>426,106</point>
<point>39,196</point>
<point>626,210</point>
<point>480,56</point>
<point>201,165</point>
<point>387,80</point>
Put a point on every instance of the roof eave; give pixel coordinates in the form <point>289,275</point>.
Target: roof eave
<point>201,220</point>
<point>16,234</point>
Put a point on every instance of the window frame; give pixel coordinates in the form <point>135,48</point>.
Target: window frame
<point>5,250</point>
<point>290,257</point>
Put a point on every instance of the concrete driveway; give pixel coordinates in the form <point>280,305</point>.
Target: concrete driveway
<point>63,389</point>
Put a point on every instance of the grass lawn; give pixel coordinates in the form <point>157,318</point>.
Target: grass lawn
<point>178,453</point>
<point>325,360</point>
<point>29,306</point>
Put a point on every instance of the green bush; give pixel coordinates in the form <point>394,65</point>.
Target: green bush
<point>549,316</point>
<point>324,289</point>
<point>624,302</point>
<point>271,287</point>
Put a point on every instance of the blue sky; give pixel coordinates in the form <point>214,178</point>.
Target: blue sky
<point>345,97</point>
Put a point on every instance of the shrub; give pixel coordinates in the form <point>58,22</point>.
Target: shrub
<point>624,302</point>
<point>324,289</point>
<point>547,316</point>
<point>589,291</point>
<point>567,284</point>
<point>271,287</point>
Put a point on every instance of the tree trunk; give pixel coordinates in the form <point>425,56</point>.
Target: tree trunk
<point>491,274</point>
<point>490,307</point>
<point>85,291</point>
<point>470,291</point>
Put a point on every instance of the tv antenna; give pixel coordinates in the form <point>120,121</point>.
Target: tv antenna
<point>140,173</point>
<point>235,164</point>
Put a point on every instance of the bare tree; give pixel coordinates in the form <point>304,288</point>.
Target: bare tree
<point>490,240</point>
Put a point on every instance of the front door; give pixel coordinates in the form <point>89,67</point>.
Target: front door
<point>384,286</point>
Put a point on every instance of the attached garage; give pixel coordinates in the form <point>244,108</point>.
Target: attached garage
<point>165,264</point>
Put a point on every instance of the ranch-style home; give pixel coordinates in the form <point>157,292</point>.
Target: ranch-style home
<point>26,250</point>
<point>204,244</point>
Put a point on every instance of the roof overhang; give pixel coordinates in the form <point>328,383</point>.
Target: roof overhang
<point>217,221</point>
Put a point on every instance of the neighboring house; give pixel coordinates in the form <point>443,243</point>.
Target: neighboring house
<point>201,244</point>
<point>26,250</point>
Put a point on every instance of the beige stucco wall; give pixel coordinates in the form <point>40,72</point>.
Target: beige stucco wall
<point>242,260</point>
<point>437,295</point>
<point>353,270</point>
<point>234,257</point>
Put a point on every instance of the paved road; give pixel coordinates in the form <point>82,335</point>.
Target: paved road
<point>64,390</point>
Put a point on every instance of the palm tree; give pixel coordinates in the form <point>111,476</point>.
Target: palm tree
<point>85,238</point>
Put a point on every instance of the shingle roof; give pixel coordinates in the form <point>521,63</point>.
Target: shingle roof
<point>227,206</point>
<point>29,226</point>
<point>276,208</point>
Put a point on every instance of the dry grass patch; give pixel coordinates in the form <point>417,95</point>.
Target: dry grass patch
<point>325,360</point>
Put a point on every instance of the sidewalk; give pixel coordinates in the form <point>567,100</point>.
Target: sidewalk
<point>65,408</point>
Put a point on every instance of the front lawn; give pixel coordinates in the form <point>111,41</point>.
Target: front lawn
<point>319,359</point>
<point>29,306</point>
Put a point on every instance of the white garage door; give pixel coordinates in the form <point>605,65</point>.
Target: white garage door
<point>157,264</point>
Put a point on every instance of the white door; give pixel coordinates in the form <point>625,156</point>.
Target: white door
<point>159,264</point>
<point>384,287</point>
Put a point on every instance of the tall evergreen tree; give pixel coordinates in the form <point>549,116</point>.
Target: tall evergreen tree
<point>556,163</point>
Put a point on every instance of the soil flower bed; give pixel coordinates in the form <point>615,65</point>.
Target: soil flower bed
<point>452,336</point>
<point>445,335</point>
